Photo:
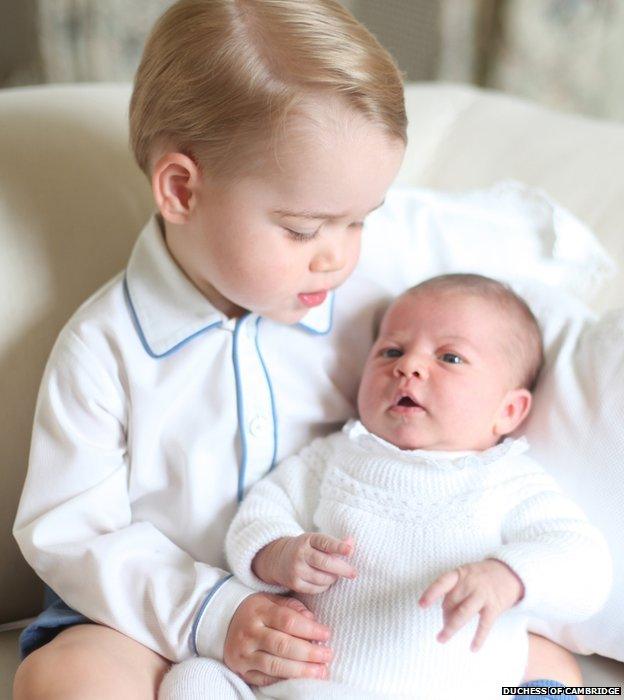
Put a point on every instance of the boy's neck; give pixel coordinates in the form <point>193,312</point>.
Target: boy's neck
<point>173,236</point>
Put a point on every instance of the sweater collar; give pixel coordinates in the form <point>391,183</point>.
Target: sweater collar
<point>168,310</point>
<point>447,460</point>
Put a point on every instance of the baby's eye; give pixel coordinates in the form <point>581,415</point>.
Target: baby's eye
<point>301,235</point>
<point>391,352</point>
<point>451,358</point>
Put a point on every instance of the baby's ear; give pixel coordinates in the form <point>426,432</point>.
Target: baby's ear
<point>513,410</point>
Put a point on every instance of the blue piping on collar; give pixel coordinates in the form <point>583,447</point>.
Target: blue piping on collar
<point>273,409</point>
<point>139,330</point>
<point>313,331</point>
<point>240,410</point>
<point>202,609</point>
<point>175,348</point>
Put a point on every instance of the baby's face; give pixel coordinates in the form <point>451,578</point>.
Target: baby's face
<point>439,375</point>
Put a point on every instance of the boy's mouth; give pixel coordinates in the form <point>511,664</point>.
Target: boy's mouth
<point>311,299</point>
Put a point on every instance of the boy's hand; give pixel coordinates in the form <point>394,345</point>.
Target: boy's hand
<point>272,637</point>
<point>309,563</point>
<point>486,588</point>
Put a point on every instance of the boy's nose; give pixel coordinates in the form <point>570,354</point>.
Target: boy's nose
<point>328,260</point>
<point>331,255</point>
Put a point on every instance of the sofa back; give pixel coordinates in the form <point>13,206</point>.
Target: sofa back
<point>72,202</point>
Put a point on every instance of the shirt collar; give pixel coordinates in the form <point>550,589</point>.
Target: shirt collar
<point>168,310</point>
<point>446,460</point>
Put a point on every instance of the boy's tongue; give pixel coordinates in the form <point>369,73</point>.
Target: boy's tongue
<point>312,298</point>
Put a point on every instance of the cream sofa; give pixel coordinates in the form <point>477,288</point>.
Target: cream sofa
<point>72,201</point>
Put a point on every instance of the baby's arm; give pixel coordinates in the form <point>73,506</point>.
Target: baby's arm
<point>552,562</point>
<point>485,588</point>
<point>563,561</point>
<point>269,544</point>
<point>309,563</point>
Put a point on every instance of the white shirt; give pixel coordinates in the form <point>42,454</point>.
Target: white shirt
<point>414,515</point>
<point>156,413</point>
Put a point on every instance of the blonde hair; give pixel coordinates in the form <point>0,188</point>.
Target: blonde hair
<point>219,77</point>
<point>525,342</point>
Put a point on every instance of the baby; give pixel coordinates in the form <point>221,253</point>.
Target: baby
<point>429,534</point>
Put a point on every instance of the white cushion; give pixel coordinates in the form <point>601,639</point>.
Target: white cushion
<point>517,234</point>
<point>575,430</point>
<point>462,137</point>
<point>507,231</point>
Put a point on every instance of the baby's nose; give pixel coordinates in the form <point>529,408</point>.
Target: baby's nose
<point>412,365</point>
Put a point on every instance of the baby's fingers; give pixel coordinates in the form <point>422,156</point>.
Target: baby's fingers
<point>440,587</point>
<point>486,620</point>
<point>331,545</point>
<point>459,616</point>
<point>331,565</point>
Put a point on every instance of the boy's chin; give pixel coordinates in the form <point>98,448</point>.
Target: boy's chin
<point>286,316</point>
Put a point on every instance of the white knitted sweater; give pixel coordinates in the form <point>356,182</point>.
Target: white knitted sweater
<point>414,515</point>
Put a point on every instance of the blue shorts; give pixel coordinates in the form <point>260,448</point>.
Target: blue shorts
<point>54,619</point>
<point>543,683</point>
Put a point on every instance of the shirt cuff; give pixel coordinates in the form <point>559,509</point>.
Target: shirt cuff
<point>214,617</point>
<point>242,547</point>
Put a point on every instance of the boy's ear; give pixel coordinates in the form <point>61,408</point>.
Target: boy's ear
<point>175,181</point>
<point>514,408</point>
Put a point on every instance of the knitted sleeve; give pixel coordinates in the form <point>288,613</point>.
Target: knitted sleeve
<point>281,504</point>
<point>563,561</point>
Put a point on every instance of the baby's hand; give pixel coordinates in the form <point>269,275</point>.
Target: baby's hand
<point>309,563</point>
<point>485,588</point>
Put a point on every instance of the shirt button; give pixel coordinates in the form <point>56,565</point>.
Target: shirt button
<point>259,426</point>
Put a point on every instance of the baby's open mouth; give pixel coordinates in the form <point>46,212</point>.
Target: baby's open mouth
<point>407,403</point>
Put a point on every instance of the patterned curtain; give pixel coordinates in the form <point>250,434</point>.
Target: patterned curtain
<point>91,40</point>
<point>409,29</point>
<point>564,53</point>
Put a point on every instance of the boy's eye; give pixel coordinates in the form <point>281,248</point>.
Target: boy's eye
<point>391,352</point>
<point>300,235</point>
<point>451,358</point>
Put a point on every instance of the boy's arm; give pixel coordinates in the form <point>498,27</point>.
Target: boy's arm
<point>279,506</point>
<point>75,526</point>
<point>562,560</point>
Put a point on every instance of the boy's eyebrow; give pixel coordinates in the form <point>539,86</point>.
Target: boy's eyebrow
<point>317,214</point>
